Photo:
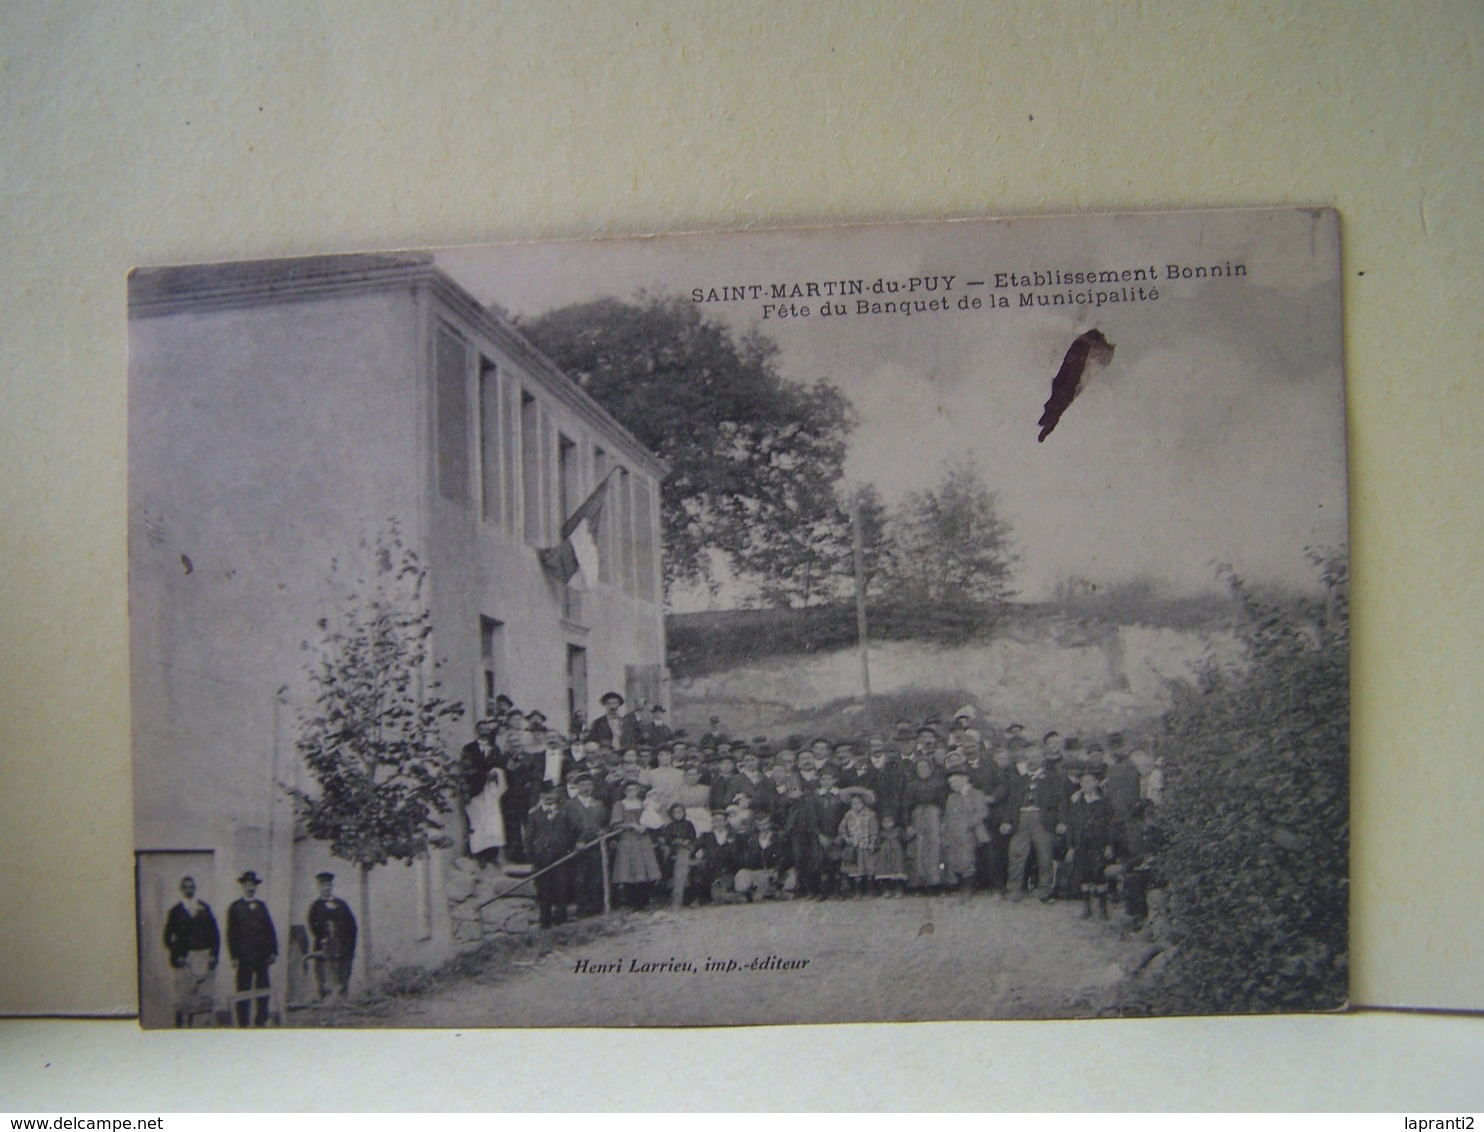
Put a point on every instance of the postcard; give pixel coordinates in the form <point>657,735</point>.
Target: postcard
<point>902,622</point>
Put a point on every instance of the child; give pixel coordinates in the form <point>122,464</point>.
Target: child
<point>677,842</point>
<point>891,857</point>
<point>652,817</point>
<point>858,831</point>
<point>1091,824</point>
<point>964,811</point>
<point>635,868</point>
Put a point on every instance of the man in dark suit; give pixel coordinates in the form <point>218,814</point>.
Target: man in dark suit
<point>589,818</point>
<point>716,858</point>
<point>607,729</point>
<point>550,836</point>
<point>252,945</point>
<point>750,780</point>
<point>195,944</point>
<point>994,777</point>
<point>477,758</point>
<point>659,732</point>
<point>476,761</point>
<point>822,813</point>
<point>1033,812</point>
<point>886,777</point>
<point>332,932</point>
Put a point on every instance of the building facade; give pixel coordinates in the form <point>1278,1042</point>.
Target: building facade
<point>282,415</point>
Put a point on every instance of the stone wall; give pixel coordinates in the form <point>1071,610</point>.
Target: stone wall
<point>478,907</point>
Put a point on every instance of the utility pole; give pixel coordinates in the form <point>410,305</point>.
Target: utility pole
<point>859,554</point>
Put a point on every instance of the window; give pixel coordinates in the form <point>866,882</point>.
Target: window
<point>576,681</point>
<point>452,416</point>
<point>491,638</point>
<point>568,499</point>
<point>510,445</point>
<point>489,441</point>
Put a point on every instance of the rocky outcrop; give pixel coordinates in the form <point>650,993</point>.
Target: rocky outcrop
<point>1066,673</point>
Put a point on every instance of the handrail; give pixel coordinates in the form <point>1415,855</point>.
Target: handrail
<point>602,837</point>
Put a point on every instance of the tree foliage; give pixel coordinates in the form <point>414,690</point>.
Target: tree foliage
<point>949,546</point>
<point>371,735</point>
<point>1257,814</point>
<point>754,458</point>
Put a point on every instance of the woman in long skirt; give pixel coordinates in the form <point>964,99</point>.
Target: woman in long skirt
<point>635,867</point>
<point>923,800</point>
<point>963,829</point>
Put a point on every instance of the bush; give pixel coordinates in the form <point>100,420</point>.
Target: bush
<point>1257,817</point>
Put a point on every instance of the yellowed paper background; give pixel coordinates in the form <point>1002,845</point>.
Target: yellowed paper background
<point>162,133</point>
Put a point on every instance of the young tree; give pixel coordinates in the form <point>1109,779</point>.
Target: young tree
<point>951,548</point>
<point>371,734</point>
<point>754,458</point>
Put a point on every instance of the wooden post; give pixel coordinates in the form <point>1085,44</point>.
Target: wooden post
<point>367,952</point>
<point>607,895</point>
<point>859,555</point>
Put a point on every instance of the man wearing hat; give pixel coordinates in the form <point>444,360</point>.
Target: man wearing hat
<point>714,736</point>
<point>660,732</point>
<point>927,746</point>
<point>722,773</point>
<point>502,706</point>
<point>332,934</point>
<point>822,814</point>
<point>1055,751</point>
<point>252,946</point>
<point>886,778</point>
<point>589,818</point>
<point>481,768</point>
<point>607,729</point>
<point>550,836</point>
<point>751,781</point>
<point>1034,811</point>
<point>635,729</point>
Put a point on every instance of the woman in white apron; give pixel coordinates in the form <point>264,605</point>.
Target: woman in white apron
<point>486,822</point>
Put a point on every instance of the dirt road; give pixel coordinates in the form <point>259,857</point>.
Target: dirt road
<point>917,958</point>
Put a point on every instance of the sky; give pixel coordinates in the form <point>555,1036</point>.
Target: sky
<point>1215,435</point>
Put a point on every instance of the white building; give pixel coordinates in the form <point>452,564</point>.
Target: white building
<point>280,414</point>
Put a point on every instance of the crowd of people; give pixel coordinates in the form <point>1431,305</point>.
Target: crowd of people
<point>965,806</point>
